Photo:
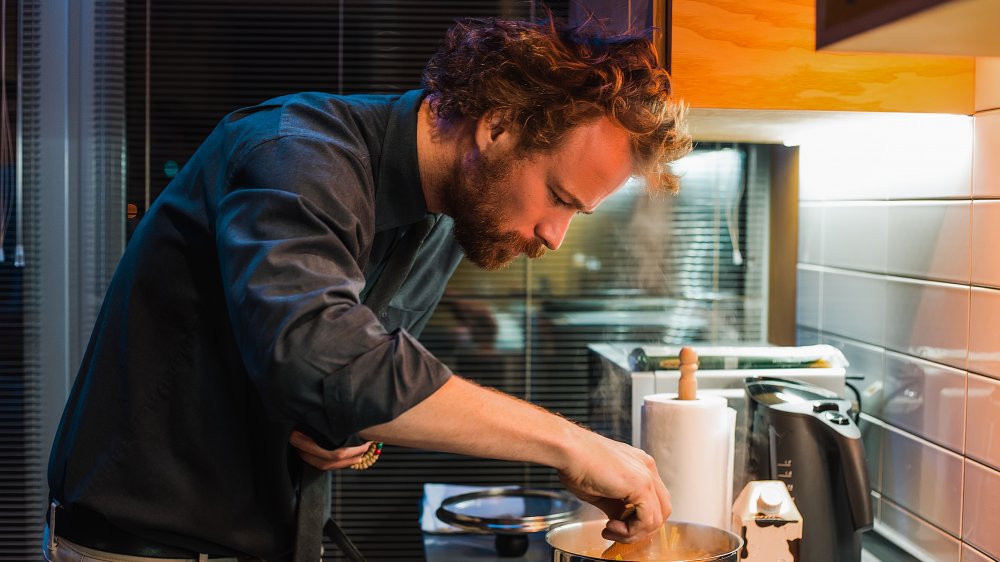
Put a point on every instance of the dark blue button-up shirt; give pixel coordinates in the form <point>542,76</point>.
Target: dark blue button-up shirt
<point>235,315</point>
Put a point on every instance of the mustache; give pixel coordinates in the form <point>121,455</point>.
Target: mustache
<point>517,245</point>
<point>494,251</point>
<point>533,248</point>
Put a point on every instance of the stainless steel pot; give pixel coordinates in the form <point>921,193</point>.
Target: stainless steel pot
<point>689,542</point>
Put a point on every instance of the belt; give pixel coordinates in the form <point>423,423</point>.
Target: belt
<point>90,529</point>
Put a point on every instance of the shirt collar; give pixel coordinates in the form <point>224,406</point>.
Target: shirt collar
<point>399,195</point>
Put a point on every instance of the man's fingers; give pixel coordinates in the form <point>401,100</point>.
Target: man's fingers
<point>664,495</point>
<point>324,464</point>
<point>306,444</point>
<point>648,516</point>
<point>612,508</point>
<point>348,452</point>
<point>633,523</point>
<point>616,530</point>
<point>652,506</point>
<point>644,522</point>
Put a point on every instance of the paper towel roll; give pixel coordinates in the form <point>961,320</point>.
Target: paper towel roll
<point>692,443</point>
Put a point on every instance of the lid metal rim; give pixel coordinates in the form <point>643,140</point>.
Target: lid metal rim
<point>527,524</point>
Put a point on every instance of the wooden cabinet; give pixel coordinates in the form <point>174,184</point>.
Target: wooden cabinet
<point>734,54</point>
<point>946,27</point>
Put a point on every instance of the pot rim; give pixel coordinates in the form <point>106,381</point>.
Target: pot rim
<point>555,529</point>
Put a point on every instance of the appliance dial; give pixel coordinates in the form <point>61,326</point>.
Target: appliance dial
<point>826,407</point>
<point>837,418</point>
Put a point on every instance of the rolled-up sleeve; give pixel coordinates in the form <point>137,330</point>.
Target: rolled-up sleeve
<point>290,237</point>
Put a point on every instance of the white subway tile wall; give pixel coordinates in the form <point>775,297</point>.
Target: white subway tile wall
<point>980,516</point>
<point>853,305</point>
<point>925,541</point>
<point>899,156</point>
<point>854,236</point>
<point>905,279</point>
<point>985,233</point>
<point>865,372</point>
<point>926,399</point>
<point>929,240</point>
<point>923,478</point>
<point>970,554</point>
<point>984,332</point>
<point>808,296</point>
<point>811,233</point>
<point>806,336</point>
<point>871,434</point>
<point>986,165</point>
<point>926,319</point>
<point>982,438</point>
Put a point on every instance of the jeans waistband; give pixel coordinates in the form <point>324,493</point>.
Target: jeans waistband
<point>66,550</point>
<point>91,530</point>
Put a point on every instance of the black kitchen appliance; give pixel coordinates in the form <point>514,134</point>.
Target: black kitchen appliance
<point>804,436</point>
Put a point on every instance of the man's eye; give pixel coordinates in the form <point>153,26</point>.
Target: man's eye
<point>558,200</point>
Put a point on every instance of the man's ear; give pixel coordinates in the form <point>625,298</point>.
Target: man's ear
<point>493,128</point>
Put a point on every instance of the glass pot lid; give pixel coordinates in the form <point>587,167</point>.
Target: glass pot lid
<point>508,510</point>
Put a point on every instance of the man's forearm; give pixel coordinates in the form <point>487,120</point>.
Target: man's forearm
<point>462,417</point>
<point>465,418</point>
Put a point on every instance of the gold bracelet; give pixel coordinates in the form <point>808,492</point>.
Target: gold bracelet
<point>370,456</point>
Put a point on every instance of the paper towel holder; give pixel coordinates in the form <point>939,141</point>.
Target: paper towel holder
<point>687,385</point>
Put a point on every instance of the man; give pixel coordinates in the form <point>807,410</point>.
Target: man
<point>240,317</point>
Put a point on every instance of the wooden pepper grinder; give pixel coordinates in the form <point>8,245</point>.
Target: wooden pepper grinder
<point>687,386</point>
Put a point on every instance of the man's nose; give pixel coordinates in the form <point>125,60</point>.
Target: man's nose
<point>553,230</point>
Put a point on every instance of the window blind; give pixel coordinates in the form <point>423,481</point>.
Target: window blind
<point>21,447</point>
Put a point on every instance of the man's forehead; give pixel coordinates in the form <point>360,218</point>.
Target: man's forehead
<point>594,161</point>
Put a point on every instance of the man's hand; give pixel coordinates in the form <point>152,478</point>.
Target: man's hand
<point>325,459</point>
<point>611,475</point>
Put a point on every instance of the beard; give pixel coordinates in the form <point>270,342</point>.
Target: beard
<point>474,199</point>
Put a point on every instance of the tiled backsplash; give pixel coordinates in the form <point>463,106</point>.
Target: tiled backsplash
<point>902,274</point>
<point>927,319</point>
<point>913,250</point>
<point>852,305</point>
<point>980,501</point>
<point>985,227</point>
<point>984,328</point>
<point>928,155</point>
<point>986,172</point>
<point>854,235</point>
<point>925,398</point>
<point>982,438</point>
<point>925,541</point>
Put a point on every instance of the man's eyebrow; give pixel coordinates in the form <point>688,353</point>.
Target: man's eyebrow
<point>569,197</point>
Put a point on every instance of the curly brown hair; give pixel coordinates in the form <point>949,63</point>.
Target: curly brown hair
<point>549,77</point>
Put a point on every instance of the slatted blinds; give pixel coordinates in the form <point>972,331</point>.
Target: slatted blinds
<point>21,455</point>
<point>96,150</point>
<point>641,269</point>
